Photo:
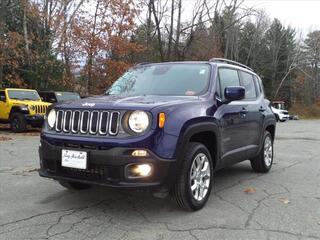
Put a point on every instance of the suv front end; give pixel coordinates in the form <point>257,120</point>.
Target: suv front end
<point>118,146</point>
<point>281,115</point>
<point>23,107</point>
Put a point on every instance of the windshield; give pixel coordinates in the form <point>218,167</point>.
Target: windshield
<point>163,79</point>
<point>67,96</point>
<point>279,106</point>
<point>24,95</point>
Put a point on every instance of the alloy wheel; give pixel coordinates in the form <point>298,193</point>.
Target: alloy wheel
<point>200,176</point>
<point>268,151</point>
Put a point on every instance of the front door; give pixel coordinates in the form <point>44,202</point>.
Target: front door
<point>233,120</point>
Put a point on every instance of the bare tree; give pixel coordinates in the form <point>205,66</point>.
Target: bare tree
<point>293,65</point>
<point>170,37</point>
<point>157,20</point>
<point>3,10</point>
<point>178,32</point>
<point>312,62</point>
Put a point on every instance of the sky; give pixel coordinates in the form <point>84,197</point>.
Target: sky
<point>304,15</point>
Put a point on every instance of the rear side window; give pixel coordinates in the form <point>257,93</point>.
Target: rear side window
<point>248,83</point>
<point>228,78</point>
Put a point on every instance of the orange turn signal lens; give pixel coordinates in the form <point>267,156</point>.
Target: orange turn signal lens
<point>162,119</point>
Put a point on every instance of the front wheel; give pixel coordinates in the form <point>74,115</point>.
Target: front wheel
<point>263,162</point>
<point>18,123</point>
<point>194,179</point>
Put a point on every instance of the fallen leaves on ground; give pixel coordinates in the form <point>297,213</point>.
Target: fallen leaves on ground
<point>249,190</point>
<point>2,138</point>
<point>31,134</point>
<point>31,169</point>
<point>26,170</point>
<point>285,200</point>
<point>30,130</point>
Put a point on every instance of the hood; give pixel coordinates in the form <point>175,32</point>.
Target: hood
<point>117,102</point>
<point>28,102</point>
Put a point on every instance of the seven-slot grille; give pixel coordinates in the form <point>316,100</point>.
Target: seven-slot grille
<point>88,122</point>
<point>41,109</point>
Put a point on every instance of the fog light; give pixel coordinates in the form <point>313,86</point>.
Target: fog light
<point>138,170</point>
<point>139,153</point>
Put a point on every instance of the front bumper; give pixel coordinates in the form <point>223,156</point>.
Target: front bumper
<point>36,120</point>
<point>106,166</point>
<point>284,117</point>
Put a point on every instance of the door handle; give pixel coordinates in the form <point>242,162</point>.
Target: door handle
<point>244,111</point>
<point>262,109</point>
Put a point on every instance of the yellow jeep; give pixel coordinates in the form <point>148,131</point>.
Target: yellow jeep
<point>20,107</point>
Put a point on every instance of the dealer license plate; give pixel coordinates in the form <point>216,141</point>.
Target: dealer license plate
<point>74,159</point>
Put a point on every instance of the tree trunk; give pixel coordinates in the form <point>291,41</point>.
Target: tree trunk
<point>25,32</point>
<point>2,30</point>
<point>157,22</point>
<point>66,51</point>
<point>91,51</point>
<point>176,48</point>
<point>148,31</point>
<point>171,31</point>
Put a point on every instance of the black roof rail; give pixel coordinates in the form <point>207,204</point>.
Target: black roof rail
<point>230,62</point>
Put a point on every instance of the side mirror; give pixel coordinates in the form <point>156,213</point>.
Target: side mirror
<point>234,93</point>
<point>2,98</point>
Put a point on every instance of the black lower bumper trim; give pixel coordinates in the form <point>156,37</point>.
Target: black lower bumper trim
<point>47,174</point>
<point>104,167</point>
<point>35,120</point>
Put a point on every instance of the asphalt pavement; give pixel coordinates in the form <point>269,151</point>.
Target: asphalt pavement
<point>283,204</point>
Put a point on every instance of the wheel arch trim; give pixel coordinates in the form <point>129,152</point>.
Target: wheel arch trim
<point>196,128</point>
<point>267,123</point>
<point>18,108</point>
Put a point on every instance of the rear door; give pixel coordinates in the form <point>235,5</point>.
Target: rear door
<point>252,103</point>
<point>232,116</point>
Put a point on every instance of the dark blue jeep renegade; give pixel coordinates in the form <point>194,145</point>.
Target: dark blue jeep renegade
<point>166,124</point>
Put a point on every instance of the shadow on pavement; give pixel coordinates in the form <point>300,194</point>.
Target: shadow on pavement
<point>117,198</point>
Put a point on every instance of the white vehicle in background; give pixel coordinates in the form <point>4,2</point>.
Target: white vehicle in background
<point>279,111</point>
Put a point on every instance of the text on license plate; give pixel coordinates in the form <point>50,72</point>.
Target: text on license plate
<point>74,159</point>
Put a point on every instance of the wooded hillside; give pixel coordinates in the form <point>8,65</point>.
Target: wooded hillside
<point>84,45</point>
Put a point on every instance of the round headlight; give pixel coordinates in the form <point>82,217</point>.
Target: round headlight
<point>52,118</point>
<point>138,121</point>
<point>32,108</point>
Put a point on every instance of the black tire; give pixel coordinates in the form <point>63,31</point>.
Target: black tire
<point>74,185</point>
<point>260,163</point>
<point>181,191</point>
<point>18,123</point>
